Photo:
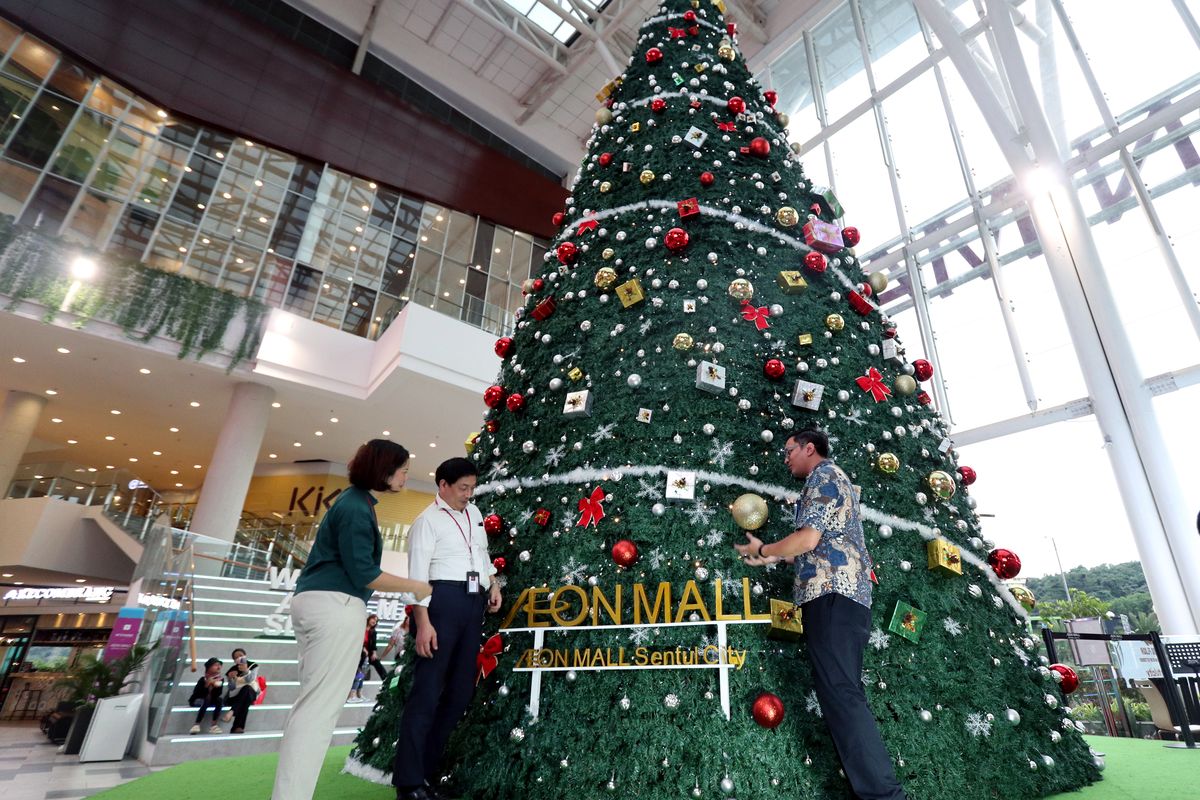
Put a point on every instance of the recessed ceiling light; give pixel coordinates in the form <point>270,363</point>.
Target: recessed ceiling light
<point>295,444</point>
<point>56,419</point>
<point>51,392</point>
<point>174,472</point>
<point>81,580</point>
<point>72,441</point>
<point>63,350</point>
<point>115,412</point>
<point>318,433</point>
<point>39,477</point>
<point>178,485</point>
<point>133,460</point>
<point>110,438</point>
<point>18,360</point>
<point>144,371</point>
<point>91,469</point>
<point>438,217</point>
<point>196,466</point>
<point>333,419</point>
<point>109,466</point>
<point>276,405</point>
<point>6,575</point>
<point>272,455</point>
<point>387,433</point>
<point>431,474</point>
<point>157,452</point>
<point>18,583</point>
<point>161,114</point>
<point>173,429</point>
<point>433,444</point>
<point>194,404</point>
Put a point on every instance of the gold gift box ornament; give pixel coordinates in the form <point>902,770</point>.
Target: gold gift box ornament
<point>785,621</point>
<point>630,293</point>
<point>791,282</point>
<point>944,557</point>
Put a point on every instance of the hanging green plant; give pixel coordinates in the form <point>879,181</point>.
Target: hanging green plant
<point>145,302</point>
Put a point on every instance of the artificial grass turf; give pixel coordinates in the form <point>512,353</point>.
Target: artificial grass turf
<point>1136,770</point>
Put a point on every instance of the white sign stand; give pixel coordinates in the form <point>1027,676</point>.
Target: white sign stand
<point>111,729</point>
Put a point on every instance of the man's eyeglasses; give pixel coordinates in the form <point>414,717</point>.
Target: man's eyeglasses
<point>787,451</point>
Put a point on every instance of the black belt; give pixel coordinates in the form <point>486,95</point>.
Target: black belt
<point>448,583</point>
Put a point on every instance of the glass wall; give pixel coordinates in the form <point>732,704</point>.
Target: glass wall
<point>84,158</point>
<point>881,115</point>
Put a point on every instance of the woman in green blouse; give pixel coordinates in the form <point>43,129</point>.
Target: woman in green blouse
<point>328,608</point>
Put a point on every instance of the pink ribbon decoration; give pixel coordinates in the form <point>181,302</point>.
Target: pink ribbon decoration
<point>591,512</point>
<point>758,316</point>
<point>873,382</point>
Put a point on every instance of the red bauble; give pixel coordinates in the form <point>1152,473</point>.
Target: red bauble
<point>493,524</point>
<point>690,16</point>
<point>567,253</point>
<point>676,239</point>
<point>625,553</point>
<point>1004,563</point>
<point>558,219</point>
<point>771,96</point>
<point>707,179</point>
<point>605,159</point>
<point>815,208</point>
<point>760,147</point>
<point>922,369</point>
<point>815,261</point>
<point>1068,681</point>
<point>966,475</point>
<point>864,289</point>
<point>515,403</point>
<point>654,55</point>
<point>500,563</point>
<point>850,236</point>
<point>774,369</point>
<point>493,396</point>
<point>492,426</point>
<point>736,105</point>
<point>767,710</point>
<point>504,346</point>
<point>538,284</point>
<point>923,398</point>
<point>658,105</point>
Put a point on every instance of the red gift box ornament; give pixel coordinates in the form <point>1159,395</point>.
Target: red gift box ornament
<point>541,517</point>
<point>688,208</point>
<point>677,33</point>
<point>873,382</point>
<point>859,303</point>
<point>543,310</point>
<point>823,236</point>
<point>590,510</point>
<point>485,659</point>
<point>731,28</point>
<point>758,316</point>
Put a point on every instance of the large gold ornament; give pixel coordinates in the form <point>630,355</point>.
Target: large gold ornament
<point>835,322</point>
<point>1024,596</point>
<point>647,177</point>
<point>888,463</point>
<point>787,216</point>
<point>783,119</point>
<point>683,342</point>
<point>741,289</point>
<point>605,277</point>
<point>604,116</point>
<point>905,384</point>
<point>749,511</point>
<point>877,281</point>
<point>941,484</point>
<point>605,186</point>
<point>725,52</point>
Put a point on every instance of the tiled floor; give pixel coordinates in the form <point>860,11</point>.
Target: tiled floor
<point>31,768</point>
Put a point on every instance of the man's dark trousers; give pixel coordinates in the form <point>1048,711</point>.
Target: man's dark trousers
<point>442,686</point>
<point>836,629</point>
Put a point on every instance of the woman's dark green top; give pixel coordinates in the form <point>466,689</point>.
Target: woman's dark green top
<point>346,554</point>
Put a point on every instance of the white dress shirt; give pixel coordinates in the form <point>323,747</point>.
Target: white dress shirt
<point>438,549</point>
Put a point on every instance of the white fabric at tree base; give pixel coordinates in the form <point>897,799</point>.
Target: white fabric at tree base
<point>329,630</point>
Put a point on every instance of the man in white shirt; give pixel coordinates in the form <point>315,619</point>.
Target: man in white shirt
<point>448,547</point>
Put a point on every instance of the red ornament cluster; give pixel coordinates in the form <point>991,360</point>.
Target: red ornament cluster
<point>1069,681</point>
<point>567,252</point>
<point>767,710</point>
<point>493,524</point>
<point>922,369</point>
<point>654,55</point>
<point>625,553</point>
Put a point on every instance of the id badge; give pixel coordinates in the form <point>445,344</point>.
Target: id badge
<point>472,583</point>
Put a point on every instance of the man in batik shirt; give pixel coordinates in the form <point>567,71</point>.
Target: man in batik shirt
<point>833,590</point>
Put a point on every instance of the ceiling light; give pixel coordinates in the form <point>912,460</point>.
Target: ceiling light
<point>72,441</point>
<point>194,404</point>
<point>133,460</point>
<point>497,249</point>
<point>438,217</point>
<point>240,260</point>
<point>372,185</point>
<point>445,294</point>
<point>63,350</point>
<point>227,195</point>
<point>91,469</point>
<point>115,412</point>
<point>56,419</point>
<point>109,466</point>
<point>431,474</point>
<point>272,455</point>
<point>18,583</point>
<point>201,207</point>
<point>258,182</point>
<point>219,154</point>
<point>318,433</point>
<point>358,228</point>
<point>6,575</point>
<point>178,485</point>
<point>110,438</point>
<point>144,371</point>
<point>39,477</point>
<point>276,405</point>
<point>462,281</point>
<point>161,114</point>
<point>379,319</point>
<point>365,207</point>
<point>18,360</point>
<point>205,240</point>
<point>196,466</point>
<point>158,452</point>
<point>433,444</point>
<point>424,238</point>
<point>185,169</point>
<point>333,419</point>
<point>183,249</point>
<point>295,444</point>
<point>51,392</point>
<point>173,430</point>
<point>387,433</point>
<point>81,580</point>
<point>174,472</point>
<point>325,286</point>
<point>262,219</point>
<point>249,143</point>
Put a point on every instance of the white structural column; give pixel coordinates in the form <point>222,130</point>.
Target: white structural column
<point>1154,503</point>
<point>232,465</point>
<point>18,419</point>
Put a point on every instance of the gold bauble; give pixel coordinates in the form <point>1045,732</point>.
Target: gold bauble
<point>877,281</point>
<point>683,341</point>
<point>741,289</point>
<point>905,384</point>
<point>940,483</point>
<point>605,186</point>
<point>835,322</point>
<point>1024,596</point>
<point>604,116</point>
<point>607,253</point>
<point>783,119</point>
<point>647,177</point>
<point>749,511</point>
<point>888,462</point>
<point>605,277</point>
<point>726,53</point>
<point>787,216</point>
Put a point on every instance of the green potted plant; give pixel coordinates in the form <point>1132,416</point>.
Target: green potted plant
<point>92,679</point>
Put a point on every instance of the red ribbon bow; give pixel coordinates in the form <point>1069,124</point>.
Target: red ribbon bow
<point>591,512</point>
<point>485,660</point>
<point>677,33</point>
<point>727,126</point>
<point>586,225</point>
<point>873,382</point>
<point>756,315</point>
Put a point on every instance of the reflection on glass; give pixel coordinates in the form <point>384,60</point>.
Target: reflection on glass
<point>863,186</point>
<point>82,145</point>
<point>358,314</point>
<point>791,79</point>
<point>50,203</point>
<point>894,38</point>
<point>42,126</point>
<point>16,182</point>
<point>31,60</point>
<point>302,293</point>
<point>840,67</point>
<point>95,216</point>
<point>331,301</point>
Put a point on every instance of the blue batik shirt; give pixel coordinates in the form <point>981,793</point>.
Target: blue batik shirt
<point>840,563</point>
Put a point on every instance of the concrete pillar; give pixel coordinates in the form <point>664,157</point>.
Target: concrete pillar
<point>232,464</point>
<point>18,420</point>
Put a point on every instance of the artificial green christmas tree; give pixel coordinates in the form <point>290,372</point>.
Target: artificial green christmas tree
<point>701,302</point>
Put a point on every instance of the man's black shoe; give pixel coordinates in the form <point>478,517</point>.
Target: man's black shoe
<point>444,790</point>
<point>417,793</point>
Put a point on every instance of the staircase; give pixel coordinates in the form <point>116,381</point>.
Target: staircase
<point>231,612</point>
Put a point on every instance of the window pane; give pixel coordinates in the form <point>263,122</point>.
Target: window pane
<point>273,282</point>
<point>171,245</point>
<point>44,123</point>
<point>207,258</point>
<point>862,182</point>
<point>926,168</point>
<point>277,167</point>
<point>162,169</point>
<point>358,315</point>
<point>522,251</point>
<point>50,204</point>
<point>195,189</point>
<point>70,80</point>
<point>423,286</point>
<point>399,267</point>
<point>383,208</point>
<point>408,218</point>
<point>792,81</point>
<point>302,294</point>
<point>461,239</point>
<point>373,253</point>
<point>360,198</point>
<point>452,288</point>
<point>119,171</point>
<point>95,216</point>
<point>31,60</point>
<point>987,164</point>
<point>82,146</point>
<point>386,312</point>
<point>433,228</point>
<point>16,182</point>
<point>839,63</point>
<point>133,233</point>
<point>8,35</point>
<point>893,37</point>
<point>15,97</point>
<point>109,98</point>
<point>240,267</point>
<point>289,227</point>
<point>258,218</point>
<point>332,301</point>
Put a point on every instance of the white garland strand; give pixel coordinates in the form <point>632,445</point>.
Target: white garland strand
<point>689,94</point>
<point>365,771</point>
<point>581,475</point>
<point>669,17</point>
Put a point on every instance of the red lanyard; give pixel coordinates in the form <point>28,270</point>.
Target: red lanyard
<point>467,539</point>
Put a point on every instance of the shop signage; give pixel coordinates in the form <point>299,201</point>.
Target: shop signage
<point>88,594</point>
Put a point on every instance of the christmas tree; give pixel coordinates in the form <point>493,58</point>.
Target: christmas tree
<point>702,302</point>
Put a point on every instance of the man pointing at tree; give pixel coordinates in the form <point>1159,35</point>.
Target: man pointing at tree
<point>833,590</point>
